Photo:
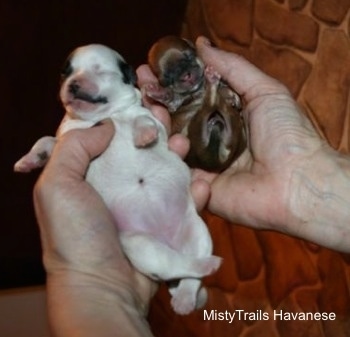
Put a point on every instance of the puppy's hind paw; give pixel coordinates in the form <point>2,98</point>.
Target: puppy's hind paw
<point>230,96</point>
<point>211,75</point>
<point>202,298</point>
<point>157,92</point>
<point>183,303</point>
<point>207,265</point>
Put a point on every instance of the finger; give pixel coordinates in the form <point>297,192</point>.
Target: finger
<point>162,115</point>
<point>145,75</point>
<point>243,76</point>
<point>76,148</point>
<point>199,174</point>
<point>200,190</point>
<point>179,144</point>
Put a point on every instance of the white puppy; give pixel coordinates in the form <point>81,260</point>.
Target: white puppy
<point>145,186</point>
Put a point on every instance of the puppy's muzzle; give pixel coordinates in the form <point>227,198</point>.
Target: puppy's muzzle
<point>78,93</point>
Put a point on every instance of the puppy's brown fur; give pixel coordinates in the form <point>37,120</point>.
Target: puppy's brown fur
<point>202,106</point>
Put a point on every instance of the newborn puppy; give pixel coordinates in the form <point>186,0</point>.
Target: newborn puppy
<point>143,183</point>
<point>216,131</point>
<point>179,71</point>
<point>193,95</point>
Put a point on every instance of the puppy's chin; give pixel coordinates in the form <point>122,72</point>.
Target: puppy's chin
<point>80,105</point>
<point>188,87</point>
<point>78,108</point>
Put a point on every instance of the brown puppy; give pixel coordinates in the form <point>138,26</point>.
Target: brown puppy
<point>202,107</point>
<point>216,131</point>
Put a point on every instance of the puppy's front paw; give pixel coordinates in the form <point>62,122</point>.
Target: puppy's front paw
<point>158,93</point>
<point>30,162</point>
<point>202,298</point>
<point>37,156</point>
<point>145,131</point>
<point>207,265</point>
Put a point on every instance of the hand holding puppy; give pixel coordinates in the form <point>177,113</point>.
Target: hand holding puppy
<point>89,280</point>
<point>291,180</point>
<point>90,284</point>
<point>202,106</point>
<point>144,185</point>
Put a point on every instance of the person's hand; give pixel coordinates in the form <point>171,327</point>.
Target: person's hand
<point>290,180</point>
<point>255,188</point>
<point>91,286</point>
<point>92,289</point>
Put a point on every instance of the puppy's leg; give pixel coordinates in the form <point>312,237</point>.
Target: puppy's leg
<point>145,131</point>
<point>160,262</point>
<point>37,156</point>
<point>223,88</point>
<point>195,239</point>
<point>158,93</point>
<point>165,96</point>
<point>187,296</point>
<point>230,96</point>
<point>211,75</point>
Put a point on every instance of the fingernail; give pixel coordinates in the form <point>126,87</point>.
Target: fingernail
<point>206,41</point>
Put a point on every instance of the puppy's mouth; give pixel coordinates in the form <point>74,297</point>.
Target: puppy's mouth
<point>79,94</point>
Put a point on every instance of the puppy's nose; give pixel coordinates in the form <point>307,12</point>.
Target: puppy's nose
<point>74,87</point>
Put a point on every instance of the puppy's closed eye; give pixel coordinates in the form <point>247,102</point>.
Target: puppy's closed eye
<point>129,74</point>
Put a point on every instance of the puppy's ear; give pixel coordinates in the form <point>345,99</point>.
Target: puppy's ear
<point>129,74</point>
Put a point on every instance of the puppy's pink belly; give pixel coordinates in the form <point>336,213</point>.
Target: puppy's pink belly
<point>146,210</point>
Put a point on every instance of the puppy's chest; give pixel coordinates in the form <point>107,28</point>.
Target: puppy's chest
<point>123,158</point>
<point>184,114</point>
<point>126,169</point>
<point>146,189</point>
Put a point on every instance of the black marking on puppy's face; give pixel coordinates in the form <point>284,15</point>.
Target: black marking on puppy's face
<point>129,74</point>
<point>78,93</point>
<point>67,69</point>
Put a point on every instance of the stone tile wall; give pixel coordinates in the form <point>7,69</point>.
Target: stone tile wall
<point>304,43</point>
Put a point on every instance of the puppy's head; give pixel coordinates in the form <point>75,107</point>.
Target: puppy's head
<point>176,65</point>
<point>96,81</point>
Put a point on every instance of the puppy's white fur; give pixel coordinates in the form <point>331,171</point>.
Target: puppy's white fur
<point>145,186</point>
